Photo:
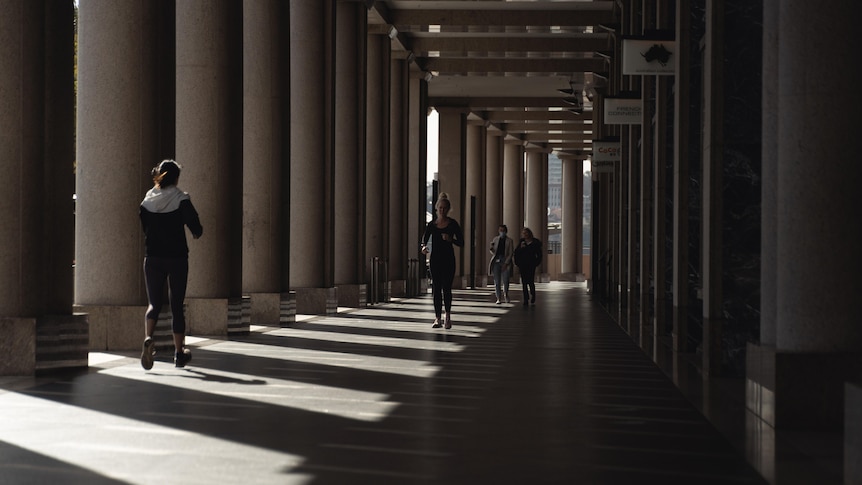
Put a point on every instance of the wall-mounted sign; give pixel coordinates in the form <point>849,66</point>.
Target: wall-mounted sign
<point>648,57</point>
<point>622,111</point>
<point>605,155</point>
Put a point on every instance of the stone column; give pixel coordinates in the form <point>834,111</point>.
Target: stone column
<point>311,158</point>
<point>263,158</point>
<point>116,95</point>
<point>572,228</point>
<point>817,234</point>
<point>713,152</point>
<point>475,185</point>
<point>659,205</point>
<point>349,230</point>
<point>513,184</point>
<point>646,237</point>
<point>36,139</point>
<point>681,136</point>
<point>533,198</point>
<point>377,148</point>
<point>417,168</point>
<point>204,148</point>
<point>451,167</point>
<point>397,243</point>
<point>493,200</point>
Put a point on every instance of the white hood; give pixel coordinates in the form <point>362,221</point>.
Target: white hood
<point>164,200</point>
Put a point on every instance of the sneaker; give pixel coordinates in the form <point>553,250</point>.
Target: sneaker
<point>148,350</point>
<point>498,301</point>
<point>448,321</point>
<point>507,299</point>
<point>437,323</point>
<point>182,358</point>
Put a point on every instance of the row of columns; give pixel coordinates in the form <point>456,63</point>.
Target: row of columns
<point>808,344</point>
<point>297,130</point>
<point>507,180</point>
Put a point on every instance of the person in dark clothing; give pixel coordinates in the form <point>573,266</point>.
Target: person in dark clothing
<point>165,212</point>
<point>528,256</point>
<point>441,235</point>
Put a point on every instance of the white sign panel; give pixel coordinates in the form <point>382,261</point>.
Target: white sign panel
<point>605,155</point>
<point>621,111</point>
<point>648,57</point>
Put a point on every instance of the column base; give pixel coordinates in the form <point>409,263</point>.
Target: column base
<point>353,296</point>
<point>798,391</point>
<point>18,341</point>
<point>208,316</point>
<point>577,277</point>
<point>114,327</point>
<point>62,341</point>
<point>265,309</point>
<point>287,308</point>
<point>316,301</point>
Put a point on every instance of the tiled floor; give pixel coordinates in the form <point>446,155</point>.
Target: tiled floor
<point>552,393</point>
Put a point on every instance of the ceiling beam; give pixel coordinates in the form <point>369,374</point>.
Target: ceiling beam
<point>515,116</point>
<point>573,127</point>
<point>483,103</point>
<point>485,65</point>
<point>587,14</point>
<point>561,137</point>
<point>505,43</point>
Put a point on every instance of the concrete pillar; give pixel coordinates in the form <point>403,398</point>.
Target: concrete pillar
<point>36,139</point>
<point>713,152</point>
<point>493,200</point>
<point>377,147</point>
<point>417,168</point>
<point>513,184</point>
<point>645,240</point>
<point>263,157</point>
<point>398,241</point>
<point>205,149</point>
<point>799,383</point>
<point>475,187</point>
<point>116,95</point>
<point>349,230</point>
<point>535,208</point>
<point>311,157</point>
<point>572,227</point>
<point>451,165</point>
<point>681,137</point>
<point>659,207</point>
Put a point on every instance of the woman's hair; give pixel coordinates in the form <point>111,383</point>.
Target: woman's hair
<point>529,232</point>
<point>166,173</point>
<point>443,198</point>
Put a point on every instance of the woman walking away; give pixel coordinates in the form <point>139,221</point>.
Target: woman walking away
<point>442,234</point>
<point>165,212</point>
<point>528,256</point>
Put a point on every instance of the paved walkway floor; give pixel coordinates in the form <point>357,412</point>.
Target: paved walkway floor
<point>554,393</point>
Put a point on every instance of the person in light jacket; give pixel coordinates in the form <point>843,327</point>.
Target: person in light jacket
<point>502,249</point>
<point>165,213</point>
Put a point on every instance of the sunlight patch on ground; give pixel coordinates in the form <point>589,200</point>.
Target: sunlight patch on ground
<point>134,451</point>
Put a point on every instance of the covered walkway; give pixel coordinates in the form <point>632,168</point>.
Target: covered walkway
<point>552,393</point>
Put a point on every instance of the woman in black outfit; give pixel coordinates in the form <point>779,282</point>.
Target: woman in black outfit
<point>528,256</point>
<point>441,235</point>
<point>165,212</point>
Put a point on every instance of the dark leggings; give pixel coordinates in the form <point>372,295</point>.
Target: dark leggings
<point>528,276</point>
<point>174,272</point>
<point>441,285</point>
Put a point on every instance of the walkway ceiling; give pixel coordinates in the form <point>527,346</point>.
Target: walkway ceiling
<point>507,61</point>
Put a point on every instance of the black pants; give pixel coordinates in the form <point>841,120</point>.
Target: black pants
<point>528,276</point>
<point>175,272</point>
<point>442,273</point>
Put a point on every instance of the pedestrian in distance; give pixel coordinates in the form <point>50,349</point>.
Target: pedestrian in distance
<point>528,256</point>
<point>502,250</point>
<point>441,236</point>
<point>165,212</point>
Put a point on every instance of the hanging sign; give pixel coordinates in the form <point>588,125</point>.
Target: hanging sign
<point>648,57</point>
<point>622,111</point>
<point>605,156</point>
